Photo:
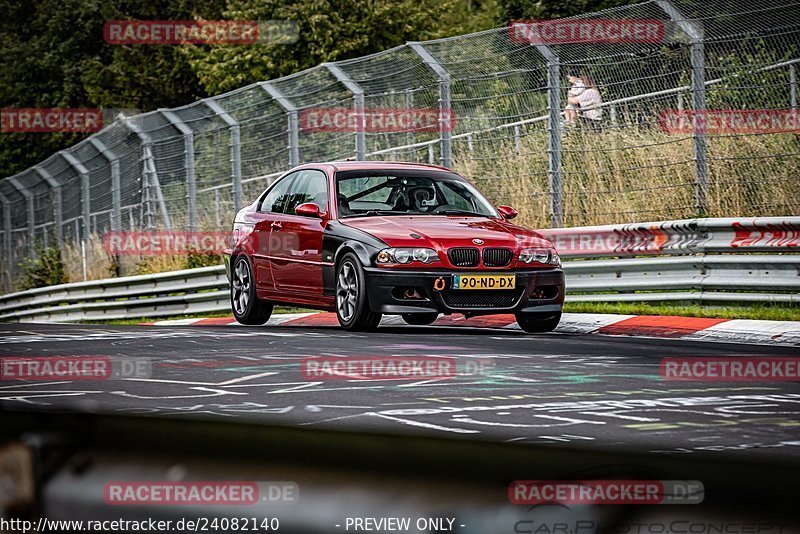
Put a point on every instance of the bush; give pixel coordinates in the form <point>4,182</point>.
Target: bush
<point>45,269</point>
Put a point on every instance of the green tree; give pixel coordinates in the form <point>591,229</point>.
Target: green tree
<point>330,30</point>
<point>52,54</point>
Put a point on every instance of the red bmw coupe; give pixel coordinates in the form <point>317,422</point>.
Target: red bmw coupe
<point>369,238</point>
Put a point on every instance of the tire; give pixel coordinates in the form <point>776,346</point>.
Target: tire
<point>420,319</point>
<point>247,307</point>
<point>352,305</point>
<point>537,323</point>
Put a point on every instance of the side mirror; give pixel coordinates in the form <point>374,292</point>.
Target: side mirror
<point>309,209</point>
<point>507,212</point>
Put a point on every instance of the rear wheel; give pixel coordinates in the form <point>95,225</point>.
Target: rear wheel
<point>247,307</point>
<point>537,323</point>
<point>420,319</point>
<point>352,306</point>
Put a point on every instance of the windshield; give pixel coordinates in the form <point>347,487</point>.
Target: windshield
<point>365,193</point>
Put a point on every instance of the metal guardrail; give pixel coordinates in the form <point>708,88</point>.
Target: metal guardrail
<point>697,260</point>
<point>188,291</point>
<point>706,279</point>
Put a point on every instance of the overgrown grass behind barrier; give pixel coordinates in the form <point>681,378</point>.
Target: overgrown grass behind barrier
<point>632,175</point>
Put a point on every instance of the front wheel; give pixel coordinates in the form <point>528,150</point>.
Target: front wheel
<point>420,319</point>
<point>352,306</point>
<point>247,307</point>
<point>537,323</point>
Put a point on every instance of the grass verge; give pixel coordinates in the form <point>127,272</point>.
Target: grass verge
<point>768,313</point>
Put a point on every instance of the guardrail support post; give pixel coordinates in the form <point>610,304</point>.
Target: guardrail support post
<point>292,119</point>
<point>58,207</point>
<point>116,195</point>
<point>445,107</point>
<point>358,103</point>
<point>236,150</point>
<point>29,210</point>
<point>698,61</point>
<point>7,240</point>
<point>150,171</point>
<point>191,178</point>
<point>83,172</point>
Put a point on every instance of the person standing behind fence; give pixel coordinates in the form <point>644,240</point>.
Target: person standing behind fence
<point>576,88</point>
<point>588,103</point>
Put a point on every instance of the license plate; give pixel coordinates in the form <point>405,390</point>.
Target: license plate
<point>484,281</point>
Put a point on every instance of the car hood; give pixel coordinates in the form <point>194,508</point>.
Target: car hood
<point>444,232</point>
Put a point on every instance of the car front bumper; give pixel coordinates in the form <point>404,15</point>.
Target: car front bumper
<point>536,291</point>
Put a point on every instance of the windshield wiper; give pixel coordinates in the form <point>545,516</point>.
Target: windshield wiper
<point>459,212</point>
<point>371,213</point>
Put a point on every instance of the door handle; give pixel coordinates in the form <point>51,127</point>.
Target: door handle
<point>276,225</point>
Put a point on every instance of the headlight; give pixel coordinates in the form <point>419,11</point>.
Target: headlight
<point>407,255</point>
<point>546,256</point>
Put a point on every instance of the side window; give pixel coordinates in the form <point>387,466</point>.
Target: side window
<point>310,186</point>
<point>277,198</point>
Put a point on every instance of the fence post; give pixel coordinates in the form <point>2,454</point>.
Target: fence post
<point>358,99</point>
<point>29,209</point>
<point>698,61</point>
<point>85,190</point>
<point>793,87</point>
<point>445,107</point>
<point>7,239</point>
<point>58,208</point>
<point>291,116</point>
<point>150,170</point>
<point>116,194</point>
<point>554,171</point>
<point>409,101</point>
<point>236,150</point>
<point>191,179</point>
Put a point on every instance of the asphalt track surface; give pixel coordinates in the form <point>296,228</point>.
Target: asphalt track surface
<point>560,389</point>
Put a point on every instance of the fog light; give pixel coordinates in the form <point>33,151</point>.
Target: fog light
<point>408,293</point>
<point>411,293</point>
<point>544,293</point>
